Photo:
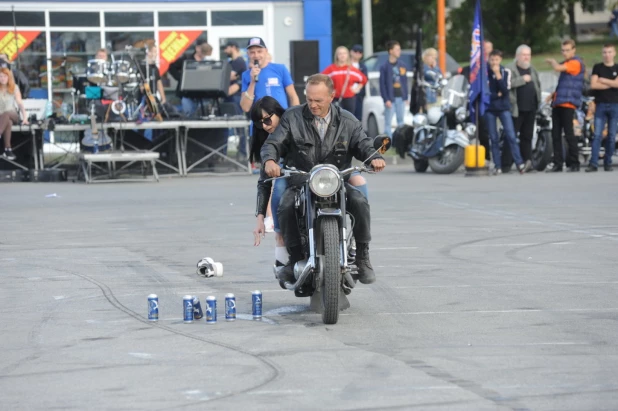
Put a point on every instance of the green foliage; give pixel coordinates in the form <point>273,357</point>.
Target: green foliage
<point>507,23</point>
<point>392,20</point>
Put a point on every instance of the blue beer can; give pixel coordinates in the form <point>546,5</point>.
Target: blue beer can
<point>153,307</point>
<point>187,305</point>
<point>197,308</point>
<point>230,307</point>
<point>256,304</point>
<point>211,310</point>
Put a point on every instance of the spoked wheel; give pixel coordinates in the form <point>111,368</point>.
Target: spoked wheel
<point>332,270</point>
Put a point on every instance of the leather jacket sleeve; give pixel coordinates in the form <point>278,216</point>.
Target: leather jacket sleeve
<point>361,146</point>
<point>263,194</point>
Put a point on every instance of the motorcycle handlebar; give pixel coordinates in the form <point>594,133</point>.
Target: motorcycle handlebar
<point>287,172</point>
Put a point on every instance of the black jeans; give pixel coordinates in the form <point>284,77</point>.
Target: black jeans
<point>562,119</point>
<point>524,125</point>
<point>357,206</point>
<point>358,112</point>
<point>348,104</point>
<point>484,137</point>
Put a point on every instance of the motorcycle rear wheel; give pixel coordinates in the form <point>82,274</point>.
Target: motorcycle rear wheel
<point>332,270</point>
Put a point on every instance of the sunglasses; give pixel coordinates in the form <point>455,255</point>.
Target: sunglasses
<point>266,121</point>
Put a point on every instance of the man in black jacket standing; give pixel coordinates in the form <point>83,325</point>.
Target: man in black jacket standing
<point>309,135</point>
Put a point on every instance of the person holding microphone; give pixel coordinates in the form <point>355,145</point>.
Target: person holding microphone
<point>265,79</point>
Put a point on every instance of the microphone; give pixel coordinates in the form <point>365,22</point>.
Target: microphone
<point>256,63</point>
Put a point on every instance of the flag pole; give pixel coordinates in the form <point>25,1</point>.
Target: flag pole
<point>477,134</point>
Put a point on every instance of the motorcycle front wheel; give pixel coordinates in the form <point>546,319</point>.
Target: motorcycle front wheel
<point>332,270</point>
<point>448,161</point>
<point>420,166</point>
<point>543,151</point>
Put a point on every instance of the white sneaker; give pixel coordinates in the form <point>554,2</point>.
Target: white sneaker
<point>269,224</point>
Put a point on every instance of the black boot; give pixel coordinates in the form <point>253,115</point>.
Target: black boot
<point>365,270</point>
<point>286,273</point>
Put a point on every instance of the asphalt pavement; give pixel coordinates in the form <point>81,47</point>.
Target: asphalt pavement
<point>493,293</point>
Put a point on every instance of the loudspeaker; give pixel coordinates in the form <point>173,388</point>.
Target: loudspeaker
<point>300,91</point>
<point>304,59</point>
<point>205,79</point>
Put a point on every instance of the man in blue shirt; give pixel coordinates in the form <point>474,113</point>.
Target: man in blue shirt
<point>266,78</point>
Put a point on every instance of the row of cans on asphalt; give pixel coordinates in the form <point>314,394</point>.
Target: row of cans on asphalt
<point>192,309</point>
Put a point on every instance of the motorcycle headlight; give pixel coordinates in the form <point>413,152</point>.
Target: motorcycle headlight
<point>324,181</point>
<point>460,114</point>
<point>471,130</point>
<point>419,120</point>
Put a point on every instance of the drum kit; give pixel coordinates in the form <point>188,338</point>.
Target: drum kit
<point>119,79</point>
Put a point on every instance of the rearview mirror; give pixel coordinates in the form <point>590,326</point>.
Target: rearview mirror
<point>382,143</point>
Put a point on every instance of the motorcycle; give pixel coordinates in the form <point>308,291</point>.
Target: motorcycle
<point>438,138</point>
<point>542,145</point>
<point>327,274</point>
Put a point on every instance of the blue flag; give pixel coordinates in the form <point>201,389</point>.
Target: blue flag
<point>478,68</point>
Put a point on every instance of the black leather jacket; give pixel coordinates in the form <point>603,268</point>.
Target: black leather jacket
<point>297,141</point>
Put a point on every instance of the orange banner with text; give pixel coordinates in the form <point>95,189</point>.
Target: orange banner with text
<point>10,47</point>
<point>172,44</point>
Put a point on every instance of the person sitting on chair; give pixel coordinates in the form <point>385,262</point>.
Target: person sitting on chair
<point>10,98</point>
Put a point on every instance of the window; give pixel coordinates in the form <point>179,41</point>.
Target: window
<point>23,18</point>
<point>131,19</point>
<point>119,40</point>
<point>242,43</point>
<point>182,18</point>
<point>70,52</point>
<point>374,87</point>
<point>237,18</point>
<point>32,61</point>
<point>595,6</point>
<point>79,19</point>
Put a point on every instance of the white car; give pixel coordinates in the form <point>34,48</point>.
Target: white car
<point>373,107</point>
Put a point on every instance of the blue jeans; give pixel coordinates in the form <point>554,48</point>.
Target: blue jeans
<point>605,113</point>
<point>509,134</point>
<point>279,188</point>
<point>191,107</point>
<point>397,106</point>
<point>614,28</point>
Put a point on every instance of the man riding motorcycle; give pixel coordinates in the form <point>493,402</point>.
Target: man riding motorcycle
<point>319,132</point>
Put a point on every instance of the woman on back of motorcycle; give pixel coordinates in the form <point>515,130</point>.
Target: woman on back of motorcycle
<point>265,115</point>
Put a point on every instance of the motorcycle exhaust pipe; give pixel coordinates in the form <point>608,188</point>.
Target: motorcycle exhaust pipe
<point>300,274</point>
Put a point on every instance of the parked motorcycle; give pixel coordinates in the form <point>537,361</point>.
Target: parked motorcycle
<point>542,146</point>
<point>438,138</point>
<point>327,274</point>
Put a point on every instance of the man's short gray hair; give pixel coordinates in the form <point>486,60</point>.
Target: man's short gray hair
<point>522,48</point>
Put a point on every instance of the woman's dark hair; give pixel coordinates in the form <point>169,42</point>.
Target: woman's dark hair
<point>270,106</point>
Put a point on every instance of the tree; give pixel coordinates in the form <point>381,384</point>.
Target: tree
<point>392,20</point>
<point>507,23</point>
<point>569,7</point>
